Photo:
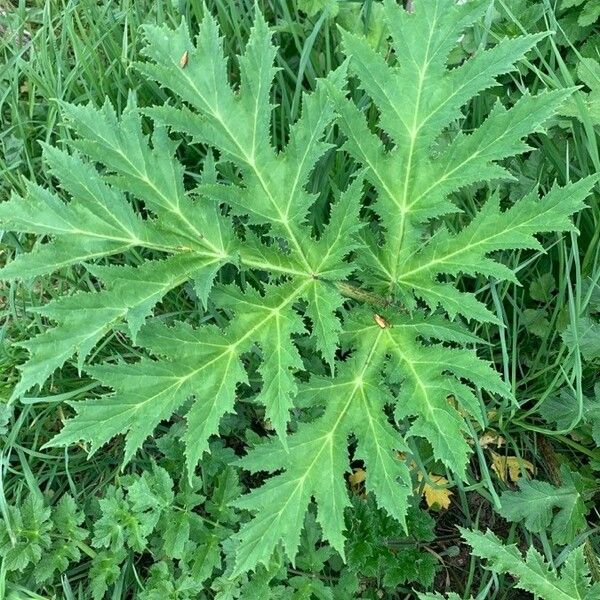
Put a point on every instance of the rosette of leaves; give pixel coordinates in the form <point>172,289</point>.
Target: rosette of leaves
<point>36,542</point>
<point>378,548</point>
<point>386,249</point>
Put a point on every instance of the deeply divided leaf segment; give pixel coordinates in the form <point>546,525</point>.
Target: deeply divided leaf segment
<point>411,371</point>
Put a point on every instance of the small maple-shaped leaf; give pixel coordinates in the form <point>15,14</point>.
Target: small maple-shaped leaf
<point>435,491</point>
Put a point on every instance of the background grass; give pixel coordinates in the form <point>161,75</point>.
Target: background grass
<point>83,51</point>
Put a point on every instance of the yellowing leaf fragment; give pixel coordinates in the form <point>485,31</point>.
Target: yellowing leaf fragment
<point>438,496</point>
<point>510,468</point>
<point>491,438</point>
<point>357,479</point>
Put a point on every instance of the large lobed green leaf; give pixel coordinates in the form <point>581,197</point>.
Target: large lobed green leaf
<point>412,371</point>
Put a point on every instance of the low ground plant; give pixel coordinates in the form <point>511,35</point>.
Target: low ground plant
<point>300,300</point>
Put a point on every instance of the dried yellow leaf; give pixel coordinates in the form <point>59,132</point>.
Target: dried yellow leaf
<point>357,479</point>
<point>491,438</point>
<point>438,497</point>
<point>510,467</point>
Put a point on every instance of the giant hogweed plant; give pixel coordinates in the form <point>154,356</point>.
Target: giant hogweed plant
<point>379,281</point>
